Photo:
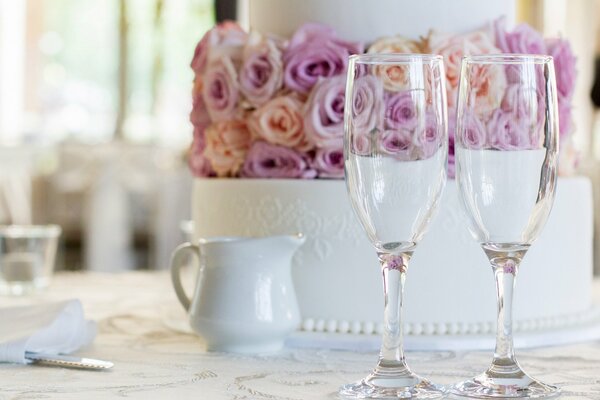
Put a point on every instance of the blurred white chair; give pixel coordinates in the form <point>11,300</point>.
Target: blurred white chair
<point>124,190</point>
<point>16,174</point>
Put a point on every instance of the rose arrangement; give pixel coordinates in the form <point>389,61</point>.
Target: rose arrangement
<point>264,107</point>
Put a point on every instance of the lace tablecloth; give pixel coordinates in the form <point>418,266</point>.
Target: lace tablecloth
<point>154,362</point>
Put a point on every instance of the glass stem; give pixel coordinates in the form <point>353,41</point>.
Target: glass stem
<point>505,272</point>
<point>394,275</point>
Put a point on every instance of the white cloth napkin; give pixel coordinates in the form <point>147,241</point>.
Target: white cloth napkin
<point>55,328</point>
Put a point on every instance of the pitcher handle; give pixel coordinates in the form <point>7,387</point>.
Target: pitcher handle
<point>176,264</point>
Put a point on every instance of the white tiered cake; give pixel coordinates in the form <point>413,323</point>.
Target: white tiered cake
<point>450,287</point>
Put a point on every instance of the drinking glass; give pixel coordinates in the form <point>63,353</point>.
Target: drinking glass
<point>395,156</point>
<point>27,257</point>
<point>506,151</point>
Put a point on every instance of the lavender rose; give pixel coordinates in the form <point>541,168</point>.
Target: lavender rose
<point>564,118</point>
<point>367,104</point>
<point>564,64</point>
<point>451,158</point>
<point>279,121</point>
<point>523,39</point>
<point>329,162</point>
<point>261,74</point>
<point>324,116</point>
<point>506,132</point>
<point>525,102</point>
<point>400,111</point>
<point>398,143</point>
<point>315,51</point>
<point>266,160</point>
<point>220,90</point>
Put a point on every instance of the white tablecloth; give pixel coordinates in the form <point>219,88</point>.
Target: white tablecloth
<point>154,362</point>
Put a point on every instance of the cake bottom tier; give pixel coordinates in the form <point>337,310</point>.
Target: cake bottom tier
<point>449,287</point>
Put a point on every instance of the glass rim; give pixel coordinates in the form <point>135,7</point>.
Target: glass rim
<point>30,231</point>
<point>394,58</point>
<point>507,58</point>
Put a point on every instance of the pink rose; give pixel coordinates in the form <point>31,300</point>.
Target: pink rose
<point>361,143</point>
<point>220,90</point>
<point>200,55</point>
<point>564,65</point>
<point>226,146</point>
<point>279,121</point>
<point>329,162</point>
<point>315,51</point>
<point>261,74</point>
<point>324,116</point>
<point>227,38</point>
<point>198,163</point>
<point>473,131</point>
<point>400,111</point>
<point>367,104</point>
<point>398,143</point>
<point>453,48</point>
<point>266,160</point>
<point>506,132</point>
<point>428,140</point>
<point>523,39</point>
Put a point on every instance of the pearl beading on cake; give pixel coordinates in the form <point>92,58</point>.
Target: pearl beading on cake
<point>448,328</point>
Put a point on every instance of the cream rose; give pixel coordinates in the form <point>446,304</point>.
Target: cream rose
<point>279,121</point>
<point>396,77</point>
<point>227,143</point>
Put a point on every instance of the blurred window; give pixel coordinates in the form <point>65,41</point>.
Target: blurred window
<point>94,70</point>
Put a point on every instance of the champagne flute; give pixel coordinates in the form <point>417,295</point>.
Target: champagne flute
<point>395,156</point>
<point>506,151</point>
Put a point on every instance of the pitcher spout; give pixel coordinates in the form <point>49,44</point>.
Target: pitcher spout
<point>292,242</point>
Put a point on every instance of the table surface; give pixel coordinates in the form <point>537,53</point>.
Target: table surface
<point>154,362</point>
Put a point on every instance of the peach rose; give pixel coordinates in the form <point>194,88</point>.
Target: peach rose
<point>395,77</point>
<point>199,116</point>
<point>487,83</point>
<point>279,121</point>
<point>453,48</point>
<point>227,143</point>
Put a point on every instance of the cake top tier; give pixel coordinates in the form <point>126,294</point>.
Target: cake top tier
<point>367,20</point>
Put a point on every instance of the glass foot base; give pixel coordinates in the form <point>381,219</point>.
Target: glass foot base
<point>389,387</point>
<point>486,386</point>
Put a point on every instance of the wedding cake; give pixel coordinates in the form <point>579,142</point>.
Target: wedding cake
<point>253,118</point>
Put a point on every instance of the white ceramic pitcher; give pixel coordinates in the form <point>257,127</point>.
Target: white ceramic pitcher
<point>244,300</point>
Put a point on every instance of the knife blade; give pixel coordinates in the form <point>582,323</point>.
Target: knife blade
<point>67,361</point>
